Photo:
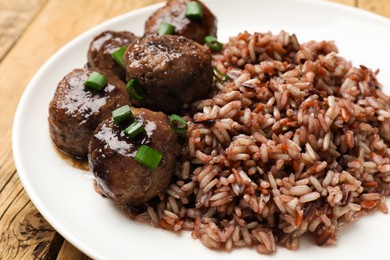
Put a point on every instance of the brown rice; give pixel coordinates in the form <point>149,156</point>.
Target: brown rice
<point>294,142</point>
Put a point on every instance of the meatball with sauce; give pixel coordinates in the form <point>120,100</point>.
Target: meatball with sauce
<point>174,13</point>
<point>112,154</point>
<point>104,45</point>
<point>171,71</point>
<point>75,112</point>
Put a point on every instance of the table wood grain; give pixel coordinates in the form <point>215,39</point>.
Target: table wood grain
<point>30,32</point>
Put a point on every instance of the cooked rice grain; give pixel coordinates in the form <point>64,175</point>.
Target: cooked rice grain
<point>295,142</point>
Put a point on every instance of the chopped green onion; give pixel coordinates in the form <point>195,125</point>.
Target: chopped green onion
<point>166,28</point>
<point>118,56</point>
<point>96,81</point>
<point>178,124</point>
<point>134,129</point>
<point>134,90</point>
<point>122,114</point>
<point>194,10</point>
<point>213,43</point>
<point>221,77</point>
<point>148,157</point>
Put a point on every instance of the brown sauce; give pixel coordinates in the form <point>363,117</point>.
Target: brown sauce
<point>81,164</point>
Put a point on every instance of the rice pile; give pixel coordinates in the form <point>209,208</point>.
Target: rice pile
<point>295,142</point>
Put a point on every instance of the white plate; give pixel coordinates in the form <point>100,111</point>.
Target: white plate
<point>65,195</point>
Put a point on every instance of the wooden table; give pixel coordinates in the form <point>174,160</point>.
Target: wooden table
<point>30,32</point>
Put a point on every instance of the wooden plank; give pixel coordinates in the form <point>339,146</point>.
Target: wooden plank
<point>25,234</point>
<point>14,17</point>
<point>68,251</point>
<point>381,7</point>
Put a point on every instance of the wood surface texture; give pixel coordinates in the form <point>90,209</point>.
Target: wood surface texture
<point>30,32</point>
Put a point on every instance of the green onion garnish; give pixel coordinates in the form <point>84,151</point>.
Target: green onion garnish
<point>166,28</point>
<point>221,77</point>
<point>121,114</point>
<point>134,90</point>
<point>213,43</point>
<point>95,81</point>
<point>134,129</point>
<point>118,56</point>
<point>148,157</point>
<point>178,124</point>
<point>194,10</point>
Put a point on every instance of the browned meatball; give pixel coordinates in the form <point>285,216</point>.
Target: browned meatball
<point>111,157</point>
<point>101,49</point>
<point>171,70</point>
<point>75,112</point>
<point>174,12</point>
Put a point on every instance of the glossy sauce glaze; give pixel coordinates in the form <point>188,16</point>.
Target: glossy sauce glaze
<point>81,164</point>
<point>115,140</point>
<point>172,70</point>
<point>75,111</point>
<point>81,103</point>
<point>174,12</point>
<point>104,45</point>
<point>111,158</point>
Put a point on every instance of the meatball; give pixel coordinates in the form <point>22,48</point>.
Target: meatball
<point>111,157</point>
<point>174,12</point>
<point>171,70</point>
<point>101,49</point>
<point>75,112</point>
